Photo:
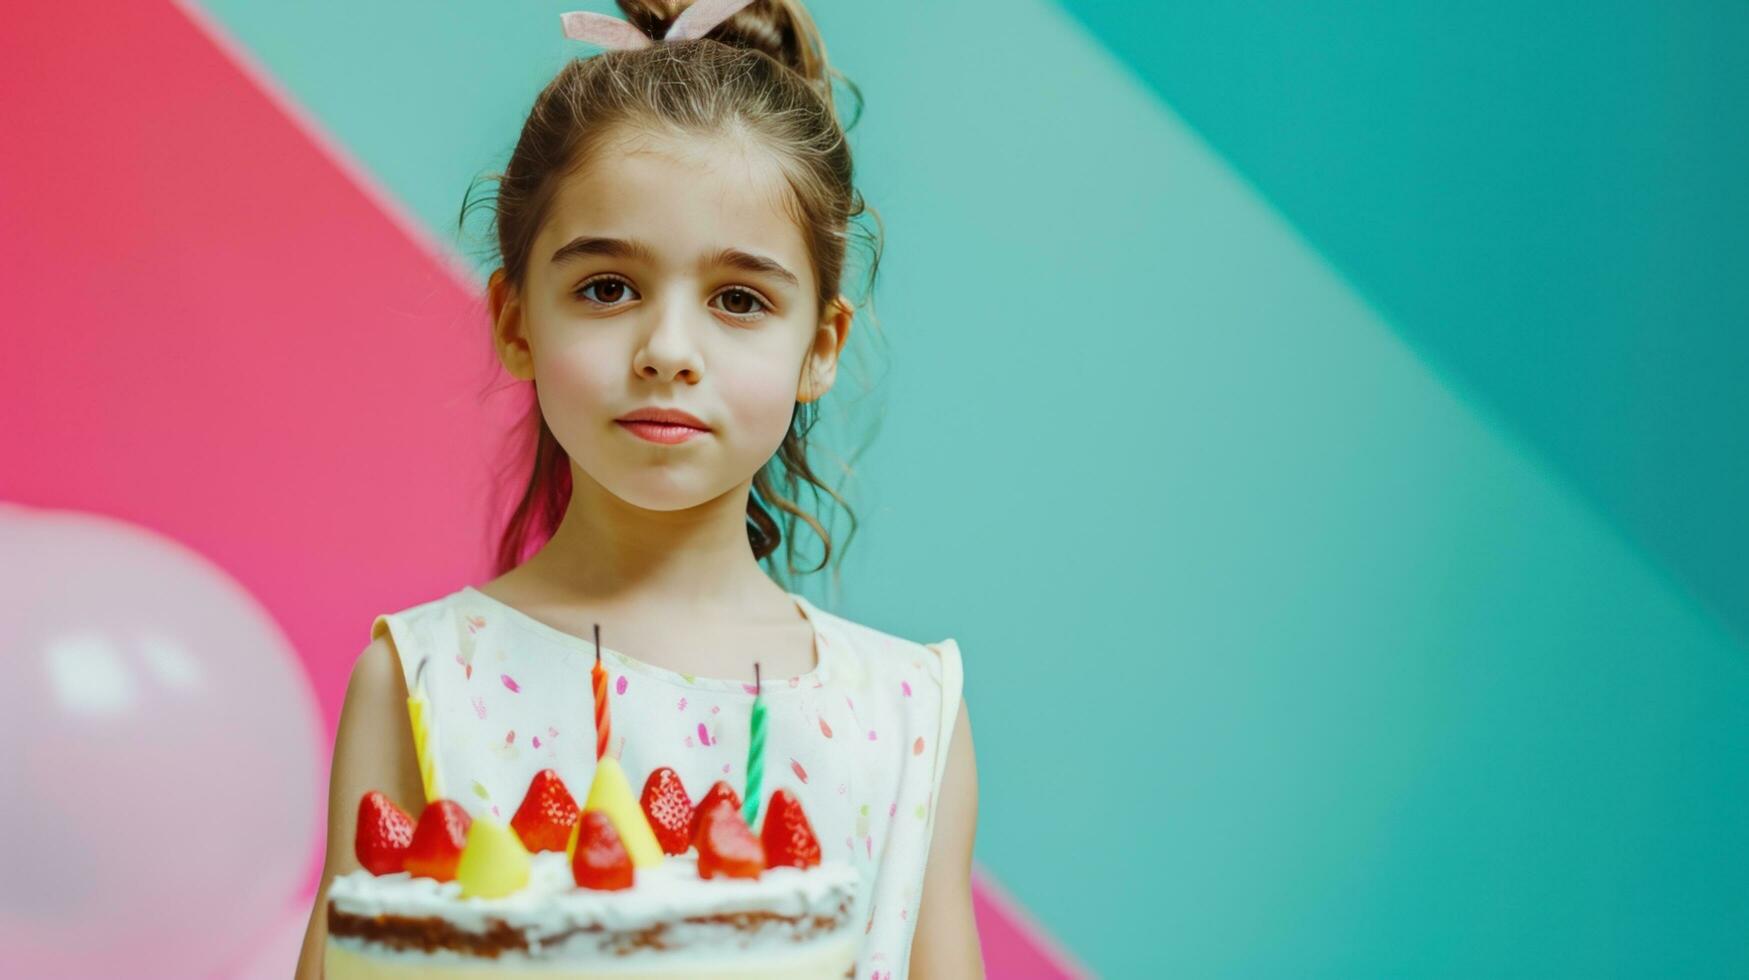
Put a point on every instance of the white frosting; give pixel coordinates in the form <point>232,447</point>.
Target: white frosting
<point>552,906</point>
<point>827,960</point>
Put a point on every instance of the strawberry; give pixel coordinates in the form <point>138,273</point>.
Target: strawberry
<point>600,861</point>
<point>789,839</point>
<point>438,840</point>
<point>384,831</point>
<point>669,810</point>
<point>725,845</point>
<point>720,790</point>
<point>546,816</point>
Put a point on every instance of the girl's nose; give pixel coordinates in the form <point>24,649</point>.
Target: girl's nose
<point>670,349</point>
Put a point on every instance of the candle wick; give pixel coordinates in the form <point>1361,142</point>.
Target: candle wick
<point>597,642</point>
<point>758,685</point>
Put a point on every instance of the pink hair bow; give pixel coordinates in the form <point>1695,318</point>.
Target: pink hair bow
<point>613,32</point>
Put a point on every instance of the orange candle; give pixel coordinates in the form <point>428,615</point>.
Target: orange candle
<point>598,677</point>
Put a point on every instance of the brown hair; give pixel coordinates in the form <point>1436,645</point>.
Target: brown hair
<point>760,75</point>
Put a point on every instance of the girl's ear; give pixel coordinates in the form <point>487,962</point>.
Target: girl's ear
<point>820,367</point>
<point>507,328</point>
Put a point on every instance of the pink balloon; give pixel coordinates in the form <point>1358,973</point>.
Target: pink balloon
<point>161,771</point>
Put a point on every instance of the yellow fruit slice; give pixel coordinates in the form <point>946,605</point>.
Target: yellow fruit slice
<point>493,862</point>
<point>612,795</point>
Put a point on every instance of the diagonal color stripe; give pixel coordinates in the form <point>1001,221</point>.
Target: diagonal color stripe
<point>1014,944</point>
<point>336,153</point>
<point>1547,201</point>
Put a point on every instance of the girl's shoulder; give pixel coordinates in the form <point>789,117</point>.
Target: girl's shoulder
<point>422,630</point>
<point>421,611</point>
<point>865,654</point>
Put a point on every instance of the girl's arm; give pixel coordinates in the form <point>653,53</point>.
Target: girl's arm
<point>946,942</point>
<point>373,749</point>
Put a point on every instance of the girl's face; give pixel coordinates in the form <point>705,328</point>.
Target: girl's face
<point>668,274</point>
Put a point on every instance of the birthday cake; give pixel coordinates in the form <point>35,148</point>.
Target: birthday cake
<point>619,887</point>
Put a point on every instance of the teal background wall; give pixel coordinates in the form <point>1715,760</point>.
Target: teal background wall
<point>1545,199</point>
<point>1319,424</point>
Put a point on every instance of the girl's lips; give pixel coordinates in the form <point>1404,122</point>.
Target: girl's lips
<point>661,432</point>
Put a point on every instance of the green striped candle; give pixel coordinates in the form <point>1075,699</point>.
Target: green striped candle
<point>755,752</point>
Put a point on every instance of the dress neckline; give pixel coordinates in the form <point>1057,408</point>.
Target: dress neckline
<point>816,677</point>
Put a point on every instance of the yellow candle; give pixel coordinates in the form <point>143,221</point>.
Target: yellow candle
<point>422,747</point>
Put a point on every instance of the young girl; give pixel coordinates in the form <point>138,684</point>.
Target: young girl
<point>672,226</point>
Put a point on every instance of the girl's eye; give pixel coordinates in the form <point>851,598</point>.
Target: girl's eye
<point>743,297</point>
<point>609,290</point>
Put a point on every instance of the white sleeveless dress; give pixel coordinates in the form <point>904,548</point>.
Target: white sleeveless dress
<point>861,740</point>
